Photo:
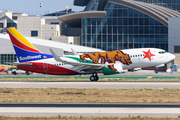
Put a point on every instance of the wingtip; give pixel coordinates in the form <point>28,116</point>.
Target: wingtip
<point>74,52</point>
<point>54,55</point>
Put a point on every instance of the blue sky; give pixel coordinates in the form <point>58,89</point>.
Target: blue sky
<point>32,6</point>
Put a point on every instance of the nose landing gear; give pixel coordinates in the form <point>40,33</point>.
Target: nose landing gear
<point>94,77</point>
<point>156,71</point>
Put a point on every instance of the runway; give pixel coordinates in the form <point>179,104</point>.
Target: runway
<point>91,105</point>
<point>89,110</point>
<point>98,85</point>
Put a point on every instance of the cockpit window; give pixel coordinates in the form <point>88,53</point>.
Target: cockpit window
<point>162,52</point>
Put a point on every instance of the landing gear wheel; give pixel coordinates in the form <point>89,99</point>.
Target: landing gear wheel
<point>93,78</point>
<point>96,78</point>
<point>27,73</point>
<point>14,73</point>
<point>156,71</point>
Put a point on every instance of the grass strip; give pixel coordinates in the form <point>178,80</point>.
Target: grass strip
<point>89,95</point>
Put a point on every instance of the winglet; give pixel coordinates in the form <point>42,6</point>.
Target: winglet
<point>74,52</point>
<point>56,56</point>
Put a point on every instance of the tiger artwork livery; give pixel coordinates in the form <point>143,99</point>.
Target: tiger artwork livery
<point>110,57</point>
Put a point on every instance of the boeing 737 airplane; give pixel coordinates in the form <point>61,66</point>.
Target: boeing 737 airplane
<point>111,62</point>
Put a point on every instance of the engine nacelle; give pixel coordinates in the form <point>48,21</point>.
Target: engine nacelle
<point>112,69</point>
<point>118,67</point>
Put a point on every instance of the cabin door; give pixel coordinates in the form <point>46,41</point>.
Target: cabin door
<point>45,66</point>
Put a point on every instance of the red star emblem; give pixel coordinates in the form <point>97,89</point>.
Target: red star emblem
<point>148,54</point>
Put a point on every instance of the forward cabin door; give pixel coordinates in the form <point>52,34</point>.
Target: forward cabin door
<point>45,67</point>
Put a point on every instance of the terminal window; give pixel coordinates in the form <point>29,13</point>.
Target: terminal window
<point>34,33</point>
<point>7,58</point>
<point>1,25</point>
<point>176,49</point>
<point>54,23</point>
<point>14,17</point>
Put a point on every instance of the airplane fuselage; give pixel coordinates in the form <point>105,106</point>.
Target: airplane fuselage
<point>129,59</point>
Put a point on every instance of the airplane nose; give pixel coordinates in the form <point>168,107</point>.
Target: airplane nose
<point>172,56</point>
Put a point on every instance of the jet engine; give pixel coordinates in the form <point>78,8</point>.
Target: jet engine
<point>112,69</point>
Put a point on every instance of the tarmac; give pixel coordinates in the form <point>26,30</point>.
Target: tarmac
<point>143,110</point>
<point>142,74</point>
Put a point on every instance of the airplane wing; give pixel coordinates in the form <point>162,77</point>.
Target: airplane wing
<point>79,66</point>
<point>21,64</point>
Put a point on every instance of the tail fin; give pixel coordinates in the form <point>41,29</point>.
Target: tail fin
<point>25,51</point>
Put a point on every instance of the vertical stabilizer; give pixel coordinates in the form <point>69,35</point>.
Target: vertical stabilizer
<point>25,51</point>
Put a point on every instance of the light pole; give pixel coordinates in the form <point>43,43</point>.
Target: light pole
<point>41,6</point>
<point>66,9</point>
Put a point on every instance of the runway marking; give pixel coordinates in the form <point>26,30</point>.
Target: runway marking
<point>149,77</point>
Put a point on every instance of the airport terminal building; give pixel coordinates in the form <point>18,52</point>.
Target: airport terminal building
<point>124,24</point>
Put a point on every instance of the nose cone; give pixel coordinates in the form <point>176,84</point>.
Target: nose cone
<point>171,56</point>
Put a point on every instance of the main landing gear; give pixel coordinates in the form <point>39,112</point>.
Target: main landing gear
<point>94,77</point>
